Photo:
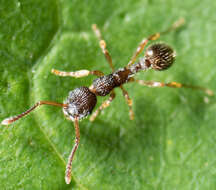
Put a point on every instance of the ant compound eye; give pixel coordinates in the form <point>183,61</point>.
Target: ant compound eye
<point>160,56</point>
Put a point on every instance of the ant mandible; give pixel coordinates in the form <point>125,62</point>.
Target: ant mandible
<point>82,100</point>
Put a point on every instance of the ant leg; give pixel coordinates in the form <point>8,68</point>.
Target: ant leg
<point>70,158</point>
<point>77,74</point>
<point>104,105</point>
<point>173,85</point>
<point>129,102</point>
<point>10,120</point>
<point>102,44</point>
<point>155,36</point>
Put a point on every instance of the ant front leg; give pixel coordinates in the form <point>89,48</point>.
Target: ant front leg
<point>102,44</point>
<point>153,37</point>
<point>104,105</point>
<point>173,85</point>
<point>77,74</point>
<point>129,102</point>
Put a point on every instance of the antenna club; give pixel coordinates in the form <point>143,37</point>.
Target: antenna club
<point>7,121</point>
<point>67,179</point>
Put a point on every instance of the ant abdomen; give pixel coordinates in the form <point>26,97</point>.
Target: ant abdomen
<point>160,56</point>
<point>81,101</point>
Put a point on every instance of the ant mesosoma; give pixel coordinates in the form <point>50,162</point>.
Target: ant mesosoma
<point>81,101</point>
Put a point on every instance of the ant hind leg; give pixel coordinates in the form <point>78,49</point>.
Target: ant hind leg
<point>173,85</point>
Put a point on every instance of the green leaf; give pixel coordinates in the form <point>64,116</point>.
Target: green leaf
<point>171,142</point>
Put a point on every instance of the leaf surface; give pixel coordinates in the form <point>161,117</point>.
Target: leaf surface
<point>171,142</point>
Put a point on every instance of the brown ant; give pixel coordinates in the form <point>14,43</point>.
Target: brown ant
<point>81,101</point>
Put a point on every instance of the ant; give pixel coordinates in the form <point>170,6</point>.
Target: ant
<point>81,101</point>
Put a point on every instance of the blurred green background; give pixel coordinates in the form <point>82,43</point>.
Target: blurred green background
<point>171,142</point>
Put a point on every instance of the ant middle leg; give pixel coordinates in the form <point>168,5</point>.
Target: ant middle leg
<point>77,74</point>
<point>153,37</point>
<point>172,85</point>
<point>129,102</point>
<point>104,105</point>
<point>102,44</point>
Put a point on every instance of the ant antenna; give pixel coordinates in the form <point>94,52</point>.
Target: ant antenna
<point>70,158</point>
<point>10,120</point>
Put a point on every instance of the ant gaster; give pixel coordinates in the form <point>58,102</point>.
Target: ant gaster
<point>81,101</point>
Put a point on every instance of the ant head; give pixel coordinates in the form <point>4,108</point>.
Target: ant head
<point>81,102</point>
<point>159,56</point>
